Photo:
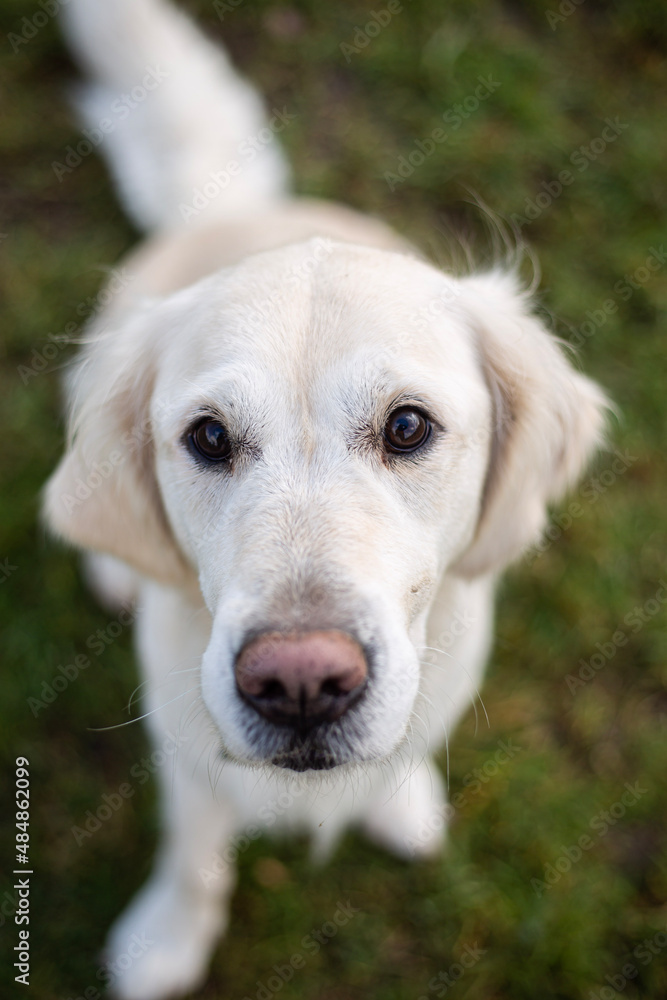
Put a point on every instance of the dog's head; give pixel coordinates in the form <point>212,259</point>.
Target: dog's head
<point>318,435</point>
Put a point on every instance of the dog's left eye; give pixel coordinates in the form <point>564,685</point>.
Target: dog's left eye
<point>211,440</point>
<point>406,430</point>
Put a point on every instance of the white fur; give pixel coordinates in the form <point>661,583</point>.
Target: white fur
<point>307,323</point>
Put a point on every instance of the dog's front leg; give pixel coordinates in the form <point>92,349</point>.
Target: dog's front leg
<point>408,815</point>
<point>161,945</point>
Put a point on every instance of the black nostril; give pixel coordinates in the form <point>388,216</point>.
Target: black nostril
<point>273,690</point>
<point>299,708</point>
<point>331,688</point>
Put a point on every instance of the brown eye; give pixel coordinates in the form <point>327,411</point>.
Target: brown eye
<point>406,430</point>
<point>211,440</point>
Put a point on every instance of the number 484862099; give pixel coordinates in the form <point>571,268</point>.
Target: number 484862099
<point>22,810</point>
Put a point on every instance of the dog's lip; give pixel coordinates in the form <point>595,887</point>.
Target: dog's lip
<point>306,754</point>
<point>320,761</point>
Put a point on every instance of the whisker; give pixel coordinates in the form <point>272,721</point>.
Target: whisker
<point>439,666</point>
<point>201,754</point>
<point>444,726</point>
<point>463,668</point>
<point>104,729</point>
<point>157,687</point>
<point>412,747</point>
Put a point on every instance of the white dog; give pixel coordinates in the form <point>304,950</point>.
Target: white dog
<point>309,453</point>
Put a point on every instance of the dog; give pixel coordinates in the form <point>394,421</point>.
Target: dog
<point>306,453</point>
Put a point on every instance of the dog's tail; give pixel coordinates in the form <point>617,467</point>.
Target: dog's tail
<point>185,136</point>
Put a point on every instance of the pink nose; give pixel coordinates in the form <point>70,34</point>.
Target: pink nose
<point>301,679</point>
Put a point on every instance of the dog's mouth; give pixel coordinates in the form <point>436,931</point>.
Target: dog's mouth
<point>307,753</point>
<point>321,748</point>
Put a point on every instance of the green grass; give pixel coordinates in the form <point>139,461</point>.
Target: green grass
<point>355,119</point>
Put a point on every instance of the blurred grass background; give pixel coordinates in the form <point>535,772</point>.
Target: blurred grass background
<point>559,81</point>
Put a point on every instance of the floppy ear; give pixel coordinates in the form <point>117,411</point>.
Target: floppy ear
<point>104,494</point>
<point>548,421</point>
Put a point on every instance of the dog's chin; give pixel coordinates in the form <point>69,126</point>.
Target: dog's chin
<point>310,753</point>
<point>319,750</point>
<point>313,762</point>
<point>307,755</point>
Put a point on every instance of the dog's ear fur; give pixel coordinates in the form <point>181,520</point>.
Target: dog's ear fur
<point>104,495</point>
<point>548,421</point>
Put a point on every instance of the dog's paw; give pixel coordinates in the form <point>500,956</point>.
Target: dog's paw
<point>161,946</point>
<point>411,822</point>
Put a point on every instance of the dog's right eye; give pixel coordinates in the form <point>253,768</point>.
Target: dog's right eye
<point>406,430</point>
<point>210,438</point>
